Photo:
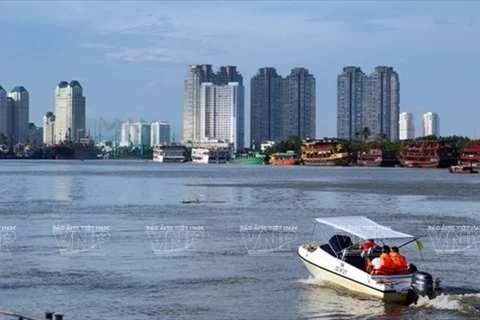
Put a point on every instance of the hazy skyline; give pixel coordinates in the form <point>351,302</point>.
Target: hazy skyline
<point>130,57</point>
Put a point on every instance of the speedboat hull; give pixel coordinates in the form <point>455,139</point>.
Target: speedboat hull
<point>324,266</point>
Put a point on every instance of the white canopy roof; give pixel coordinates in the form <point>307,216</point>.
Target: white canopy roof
<point>363,227</point>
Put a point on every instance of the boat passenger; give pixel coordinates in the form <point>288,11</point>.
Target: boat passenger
<point>401,265</point>
<point>370,243</point>
<point>387,266</point>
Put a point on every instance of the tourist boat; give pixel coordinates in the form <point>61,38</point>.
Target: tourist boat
<point>462,169</point>
<point>371,158</point>
<point>377,158</point>
<point>171,154</point>
<point>340,261</point>
<point>200,155</point>
<point>284,159</point>
<point>324,153</point>
<point>471,156</point>
<point>429,154</point>
<point>247,158</point>
<point>214,155</point>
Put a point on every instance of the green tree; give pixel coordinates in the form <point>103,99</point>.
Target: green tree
<point>366,133</point>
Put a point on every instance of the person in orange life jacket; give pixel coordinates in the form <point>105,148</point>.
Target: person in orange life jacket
<point>401,266</point>
<point>387,266</point>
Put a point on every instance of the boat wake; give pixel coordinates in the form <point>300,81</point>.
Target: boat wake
<point>468,303</point>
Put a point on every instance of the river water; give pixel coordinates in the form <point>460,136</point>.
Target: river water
<point>118,240</point>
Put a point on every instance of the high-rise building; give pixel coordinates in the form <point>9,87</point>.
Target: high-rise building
<point>6,117</point>
<point>406,126</point>
<point>193,116</point>
<point>382,103</point>
<point>135,135</point>
<point>371,102</point>
<point>350,90</point>
<point>222,113</point>
<point>299,105</point>
<point>266,105</point>
<point>431,124</point>
<point>20,109</point>
<point>70,112</point>
<point>49,128</point>
<point>160,133</point>
<point>35,134</point>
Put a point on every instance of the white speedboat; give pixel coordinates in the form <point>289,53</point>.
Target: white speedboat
<point>341,261</point>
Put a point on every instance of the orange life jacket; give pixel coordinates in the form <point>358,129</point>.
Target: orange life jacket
<point>387,267</point>
<point>400,262</point>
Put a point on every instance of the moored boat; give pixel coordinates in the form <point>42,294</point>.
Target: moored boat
<point>462,169</point>
<point>429,154</point>
<point>284,159</point>
<point>324,153</point>
<point>471,156</point>
<point>247,158</point>
<point>79,150</point>
<point>343,262</point>
<point>370,158</point>
<point>171,154</point>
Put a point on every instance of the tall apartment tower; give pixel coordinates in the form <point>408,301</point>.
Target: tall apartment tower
<point>6,116</point>
<point>195,108</point>
<point>266,105</point>
<point>299,105</point>
<point>222,113</point>
<point>406,126</point>
<point>70,112</point>
<point>368,101</point>
<point>49,129</point>
<point>160,133</point>
<point>431,124</point>
<point>20,109</point>
<point>382,103</point>
<point>350,89</point>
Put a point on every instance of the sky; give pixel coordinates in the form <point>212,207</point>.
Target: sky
<point>131,57</point>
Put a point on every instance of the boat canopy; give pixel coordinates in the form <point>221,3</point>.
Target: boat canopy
<point>363,227</point>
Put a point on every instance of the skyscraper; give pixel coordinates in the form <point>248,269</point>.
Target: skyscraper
<point>222,113</point>
<point>6,120</point>
<point>20,109</point>
<point>382,103</point>
<point>431,124</point>
<point>70,112</point>
<point>299,105</point>
<point>406,126</point>
<point>160,133</point>
<point>194,115</point>
<point>266,104</point>
<point>371,102</point>
<point>49,128</point>
<point>350,90</point>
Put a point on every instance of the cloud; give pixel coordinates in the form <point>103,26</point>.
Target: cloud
<point>442,22</point>
<point>101,46</point>
<point>145,54</point>
<point>371,27</point>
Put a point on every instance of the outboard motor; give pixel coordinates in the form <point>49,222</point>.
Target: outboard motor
<point>422,283</point>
